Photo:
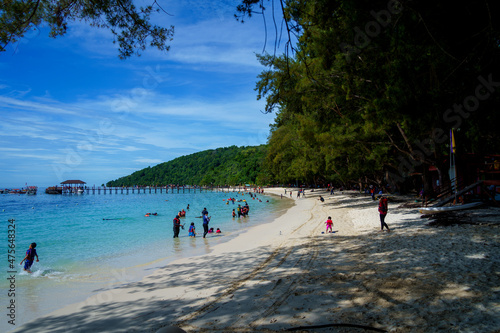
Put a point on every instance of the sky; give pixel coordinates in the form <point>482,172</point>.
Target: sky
<point>71,109</point>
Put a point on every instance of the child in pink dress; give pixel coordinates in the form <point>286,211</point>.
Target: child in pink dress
<point>329,224</point>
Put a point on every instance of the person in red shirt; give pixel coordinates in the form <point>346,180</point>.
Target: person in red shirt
<point>382,209</point>
<point>329,224</point>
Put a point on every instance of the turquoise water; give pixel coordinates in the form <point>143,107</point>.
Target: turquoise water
<point>88,243</point>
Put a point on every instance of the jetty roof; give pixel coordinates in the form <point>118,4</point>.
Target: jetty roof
<point>73,182</point>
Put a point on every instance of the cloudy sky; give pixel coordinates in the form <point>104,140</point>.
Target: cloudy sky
<point>70,109</point>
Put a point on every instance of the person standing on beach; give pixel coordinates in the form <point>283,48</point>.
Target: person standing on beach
<point>177,226</point>
<point>29,258</point>
<point>382,209</point>
<point>329,225</point>
<point>206,220</point>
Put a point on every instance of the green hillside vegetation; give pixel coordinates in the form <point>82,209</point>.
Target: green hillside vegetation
<point>222,166</point>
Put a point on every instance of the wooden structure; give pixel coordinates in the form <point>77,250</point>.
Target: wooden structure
<point>69,189</point>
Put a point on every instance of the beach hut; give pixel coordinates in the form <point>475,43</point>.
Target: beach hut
<point>73,186</point>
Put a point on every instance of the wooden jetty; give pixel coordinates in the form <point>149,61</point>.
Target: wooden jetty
<point>70,187</point>
<point>152,189</point>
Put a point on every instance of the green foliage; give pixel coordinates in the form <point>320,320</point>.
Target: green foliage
<point>371,80</point>
<point>130,25</point>
<point>222,166</point>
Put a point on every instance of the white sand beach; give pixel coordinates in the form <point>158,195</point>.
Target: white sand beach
<point>288,275</point>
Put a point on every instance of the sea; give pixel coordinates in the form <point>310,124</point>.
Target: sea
<point>89,243</point>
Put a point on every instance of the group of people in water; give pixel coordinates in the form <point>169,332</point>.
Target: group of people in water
<point>192,228</point>
<point>192,231</point>
<point>241,210</point>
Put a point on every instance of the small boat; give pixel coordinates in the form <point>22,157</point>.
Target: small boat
<point>54,190</point>
<point>32,190</point>
<point>18,191</point>
<point>435,210</point>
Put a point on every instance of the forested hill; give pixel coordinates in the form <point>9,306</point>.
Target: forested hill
<point>222,166</point>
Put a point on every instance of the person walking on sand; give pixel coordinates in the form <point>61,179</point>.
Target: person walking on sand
<point>29,258</point>
<point>382,209</point>
<point>329,225</point>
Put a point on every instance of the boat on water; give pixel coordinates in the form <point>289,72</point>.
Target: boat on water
<point>436,210</point>
<point>18,191</point>
<point>54,190</point>
<point>31,190</point>
<point>75,190</point>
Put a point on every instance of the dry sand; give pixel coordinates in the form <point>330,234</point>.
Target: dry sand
<point>288,275</point>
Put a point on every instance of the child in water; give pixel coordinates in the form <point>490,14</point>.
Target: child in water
<point>234,213</point>
<point>218,231</point>
<point>29,258</point>
<point>329,224</point>
<point>192,231</point>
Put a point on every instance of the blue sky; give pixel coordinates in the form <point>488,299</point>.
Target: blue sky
<point>70,109</point>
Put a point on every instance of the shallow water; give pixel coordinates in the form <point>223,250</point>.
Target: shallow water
<point>90,243</point>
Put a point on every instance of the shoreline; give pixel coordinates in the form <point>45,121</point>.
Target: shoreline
<point>50,288</point>
<point>287,274</point>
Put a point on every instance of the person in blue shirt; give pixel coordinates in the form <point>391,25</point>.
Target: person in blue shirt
<point>192,230</point>
<point>206,220</point>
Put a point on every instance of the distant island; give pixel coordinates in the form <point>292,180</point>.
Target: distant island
<point>222,166</point>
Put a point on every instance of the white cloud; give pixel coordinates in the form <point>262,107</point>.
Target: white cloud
<point>42,106</point>
<point>130,148</point>
<point>148,161</point>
